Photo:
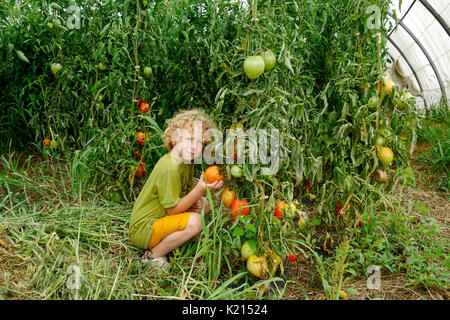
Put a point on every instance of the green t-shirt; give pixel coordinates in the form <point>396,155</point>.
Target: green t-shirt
<point>169,181</point>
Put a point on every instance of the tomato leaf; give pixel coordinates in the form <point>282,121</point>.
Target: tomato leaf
<point>315,222</point>
<point>22,56</point>
<point>251,228</point>
<point>238,232</point>
<point>287,63</point>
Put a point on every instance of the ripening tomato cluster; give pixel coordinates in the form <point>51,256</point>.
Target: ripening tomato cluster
<point>212,174</point>
<point>50,143</point>
<point>254,66</point>
<point>238,206</point>
<point>143,106</point>
<point>141,137</point>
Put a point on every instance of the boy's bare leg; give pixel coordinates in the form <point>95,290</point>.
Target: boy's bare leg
<point>176,239</point>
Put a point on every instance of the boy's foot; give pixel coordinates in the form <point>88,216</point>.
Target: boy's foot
<point>159,263</point>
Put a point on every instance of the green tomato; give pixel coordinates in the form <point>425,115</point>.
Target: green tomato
<point>55,67</point>
<point>269,60</point>
<point>102,67</point>
<point>49,25</point>
<point>148,71</point>
<point>56,23</point>
<point>373,101</point>
<point>248,249</point>
<point>254,66</point>
<point>236,171</point>
<point>53,144</point>
<point>379,141</point>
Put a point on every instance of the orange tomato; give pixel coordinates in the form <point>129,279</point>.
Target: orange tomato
<point>212,174</point>
<point>239,207</point>
<point>385,85</point>
<point>140,137</point>
<point>228,197</point>
<point>46,142</point>
<point>144,107</point>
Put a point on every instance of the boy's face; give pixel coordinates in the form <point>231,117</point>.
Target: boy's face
<point>189,147</point>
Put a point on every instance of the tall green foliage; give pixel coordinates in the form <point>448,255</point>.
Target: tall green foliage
<point>326,50</point>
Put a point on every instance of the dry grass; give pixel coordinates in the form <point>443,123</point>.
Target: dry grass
<point>14,271</point>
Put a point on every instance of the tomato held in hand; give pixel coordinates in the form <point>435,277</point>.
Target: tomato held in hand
<point>212,174</point>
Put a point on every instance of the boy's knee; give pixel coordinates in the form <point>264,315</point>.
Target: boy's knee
<point>195,223</point>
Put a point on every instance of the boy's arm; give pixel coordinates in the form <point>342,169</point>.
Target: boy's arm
<point>199,191</point>
<point>186,202</point>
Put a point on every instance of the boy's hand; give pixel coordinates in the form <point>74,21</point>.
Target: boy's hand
<point>202,185</point>
<point>198,205</point>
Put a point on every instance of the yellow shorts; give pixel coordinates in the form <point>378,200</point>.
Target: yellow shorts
<point>167,225</point>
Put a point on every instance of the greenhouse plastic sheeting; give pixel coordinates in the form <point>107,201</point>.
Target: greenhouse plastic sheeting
<point>421,44</point>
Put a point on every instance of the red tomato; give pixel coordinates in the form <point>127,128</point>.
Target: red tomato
<point>239,207</point>
<point>279,207</point>
<point>139,171</point>
<point>144,107</point>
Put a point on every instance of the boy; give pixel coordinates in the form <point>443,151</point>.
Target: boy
<point>167,211</point>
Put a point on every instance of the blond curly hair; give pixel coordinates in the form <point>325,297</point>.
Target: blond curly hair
<point>184,119</point>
